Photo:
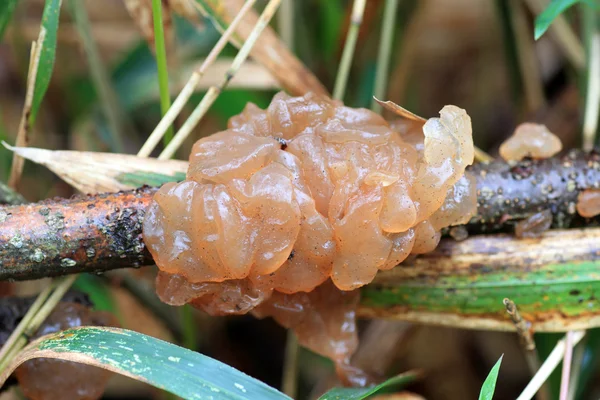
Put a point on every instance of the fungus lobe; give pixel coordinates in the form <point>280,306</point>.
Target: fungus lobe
<point>293,206</point>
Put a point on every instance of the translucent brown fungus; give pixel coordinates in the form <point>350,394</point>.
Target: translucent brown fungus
<point>588,203</point>
<point>51,379</point>
<point>530,140</point>
<point>304,193</point>
<point>534,225</point>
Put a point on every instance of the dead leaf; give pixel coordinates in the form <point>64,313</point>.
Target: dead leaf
<point>91,172</point>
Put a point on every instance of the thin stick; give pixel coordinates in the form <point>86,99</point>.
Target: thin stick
<point>285,23</point>
<point>108,98</point>
<point>522,326</point>
<point>190,86</point>
<point>566,369</point>
<point>563,35</point>
<point>290,367</point>
<point>23,132</point>
<point>161,63</point>
<point>214,91</point>
<point>385,51</point>
<point>341,79</point>
<point>592,101</point>
<point>526,339</point>
<point>576,365</point>
<point>548,366</point>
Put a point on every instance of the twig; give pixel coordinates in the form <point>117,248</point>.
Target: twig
<point>290,368</point>
<point>214,91</point>
<point>563,35</point>
<point>108,98</point>
<point>385,51</point>
<point>161,63</point>
<point>527,342</point>
<point>548,366</point>
<point>592,101</point>
<point>341,79</point>
<point>23,133</point>
<point>190,86</point>
<point>103,232</point>
<point>566,370</point>
<point>522,326</point>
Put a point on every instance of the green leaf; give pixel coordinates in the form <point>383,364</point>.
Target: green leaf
<point>180,371</point>
<point>47,55</point>
<point>7,9</point>
<point>489,385</point>
<point>363,393</point>
<point>98,292</point>
<point>554,9</point>
<point>139,179</point>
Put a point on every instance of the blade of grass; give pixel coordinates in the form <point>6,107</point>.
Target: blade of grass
<point>7,9</point>
<point>363,393</point>
<point>166,366</point>
<point>592,101</point>
<point>285,23</point>
<point>547,367</point>
<point>24,123</point>
<point>358,9</point>
<point>566,370</point>
<point>47,50</point>
<point>489,385</point>
<point>290,368</point>
<point>161,62</point>
<point>214,91</point>
<point>551,13</point>
<point>108,98</point>
<point>562,33</point>
<point>526,57</point>
<point>385,51</point>
<point>190,86</point>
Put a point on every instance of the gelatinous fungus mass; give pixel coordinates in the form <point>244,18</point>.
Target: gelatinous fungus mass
<point>51,379</point>
<point>307,194</point>
<point>588,203</point>
<point>530,140</point>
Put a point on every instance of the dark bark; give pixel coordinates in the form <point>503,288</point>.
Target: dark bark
<point>65,236</point>
<point>103,232</point>
<point>507,193</point>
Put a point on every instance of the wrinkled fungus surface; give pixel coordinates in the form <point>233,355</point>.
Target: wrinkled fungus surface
<point>530,140</point>
<point>51,379</point>
<point>307,194</point>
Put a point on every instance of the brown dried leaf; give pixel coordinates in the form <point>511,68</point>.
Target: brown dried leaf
<point>91,172</point>
<point>398,110</point>
<point>269,50</point>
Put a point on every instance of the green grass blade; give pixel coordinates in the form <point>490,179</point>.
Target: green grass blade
<point>554,9</point>
<point>7,9</point>
<point>50,25</point>
<point>363,393</point>
<point>164,365</point>
<point>551,297</point>
<point>489,385</point>
<point>161,62</point>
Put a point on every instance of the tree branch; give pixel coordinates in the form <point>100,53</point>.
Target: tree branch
<point>104,232</point>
